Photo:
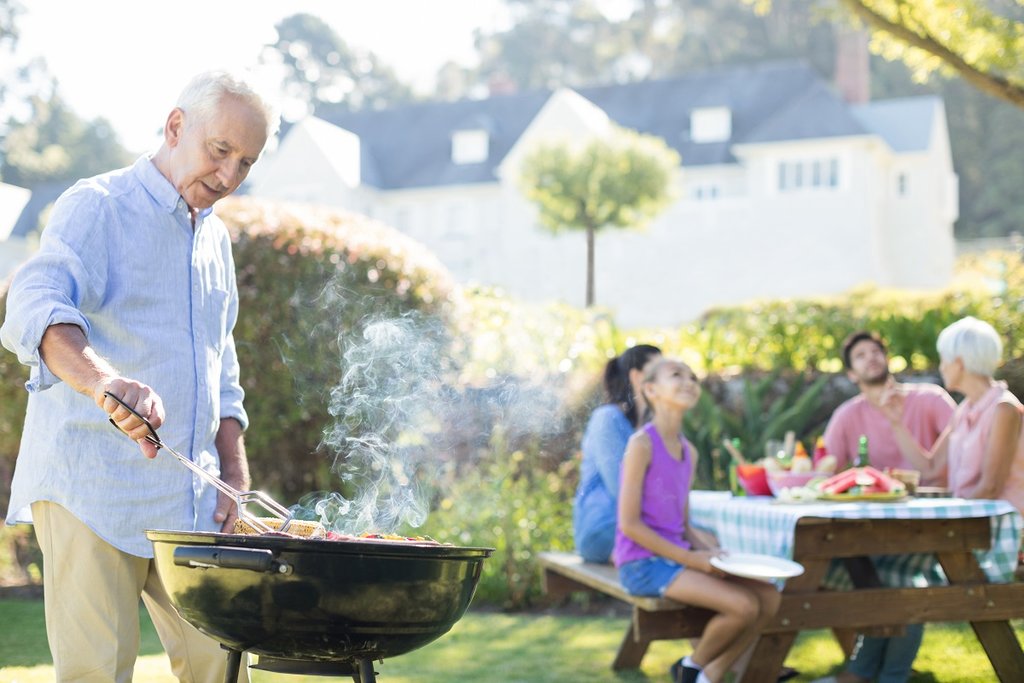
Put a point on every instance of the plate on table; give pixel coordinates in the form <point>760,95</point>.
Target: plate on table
<point>754,566</point>
<point>864,497</point>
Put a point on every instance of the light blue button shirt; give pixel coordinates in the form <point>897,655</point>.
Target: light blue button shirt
<point>119,258</point>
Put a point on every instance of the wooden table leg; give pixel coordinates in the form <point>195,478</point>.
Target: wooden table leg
<point>997,637</point>
<point>768,658</point>
<point>631,651</point>
<point>847,639</point>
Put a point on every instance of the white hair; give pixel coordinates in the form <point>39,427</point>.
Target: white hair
<point>973,341</point>
<point>204,92</point>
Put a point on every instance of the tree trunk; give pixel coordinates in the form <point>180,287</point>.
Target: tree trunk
<point>590,265</point>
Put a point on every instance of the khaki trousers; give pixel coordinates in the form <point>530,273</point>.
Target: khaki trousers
<point>91,595</point>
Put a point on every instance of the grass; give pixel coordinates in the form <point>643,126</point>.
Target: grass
<point>512,648</point>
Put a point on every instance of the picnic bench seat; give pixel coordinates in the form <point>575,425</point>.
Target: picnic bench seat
<point>652,619</point>
<point>665,619</point>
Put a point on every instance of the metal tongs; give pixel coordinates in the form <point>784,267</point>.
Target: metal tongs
<point>241,498</point>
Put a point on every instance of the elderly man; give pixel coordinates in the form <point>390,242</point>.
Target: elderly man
<point>132,293</point>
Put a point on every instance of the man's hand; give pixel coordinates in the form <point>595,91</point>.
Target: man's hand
<point>141,398</point>
<point>234,470</point>
<point>890,402</point>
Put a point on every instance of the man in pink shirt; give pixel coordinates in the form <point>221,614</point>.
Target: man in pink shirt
<point>927,409</point>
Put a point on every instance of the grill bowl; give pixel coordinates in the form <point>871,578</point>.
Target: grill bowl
<point>316,600</point>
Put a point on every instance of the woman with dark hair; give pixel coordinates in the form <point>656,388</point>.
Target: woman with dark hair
<point>604,443</point>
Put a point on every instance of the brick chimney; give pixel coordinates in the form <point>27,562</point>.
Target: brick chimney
<point>500,83</point>
<point>853,72</point>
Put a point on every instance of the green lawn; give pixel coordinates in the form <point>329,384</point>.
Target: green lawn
<point>511,648</point>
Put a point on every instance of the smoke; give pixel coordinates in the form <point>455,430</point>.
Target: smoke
<point>397,413</point>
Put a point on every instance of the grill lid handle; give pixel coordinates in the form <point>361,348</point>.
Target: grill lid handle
<point>214,556</point>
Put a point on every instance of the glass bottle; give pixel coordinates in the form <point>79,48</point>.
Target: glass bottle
<point>862,451</point>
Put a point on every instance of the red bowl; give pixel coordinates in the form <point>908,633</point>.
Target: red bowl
<point>753,479</point>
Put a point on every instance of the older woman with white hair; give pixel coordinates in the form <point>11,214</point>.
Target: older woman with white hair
<point>983,445</point>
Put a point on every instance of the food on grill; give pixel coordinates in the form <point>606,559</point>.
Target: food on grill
<point>335,536</point>
<point>298,527</point>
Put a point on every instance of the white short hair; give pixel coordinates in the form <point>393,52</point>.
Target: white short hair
<point>973,341</point>
<point>203,94</point>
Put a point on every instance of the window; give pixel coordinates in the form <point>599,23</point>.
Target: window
<point>402,219</point>
<point>808,174</point>
<point>902,184</point>
<point>711,124</point>
<point>705,191</point>
<point>470,146</point>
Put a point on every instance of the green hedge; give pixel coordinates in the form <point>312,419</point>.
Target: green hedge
<point>804,334</point>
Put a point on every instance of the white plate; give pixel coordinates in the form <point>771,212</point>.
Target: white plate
<point>753,566</point>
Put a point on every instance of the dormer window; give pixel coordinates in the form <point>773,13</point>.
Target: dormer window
<point>470,146</point>
<point>711,124</point>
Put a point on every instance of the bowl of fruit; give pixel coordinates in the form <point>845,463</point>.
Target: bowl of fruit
<point>798,471</point>
<point>754,479</point>
<point>786,479</point>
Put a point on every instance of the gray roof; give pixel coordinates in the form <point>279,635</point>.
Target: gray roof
<point>905,124</point>
<point>43,194</point>
<point>410,146</point>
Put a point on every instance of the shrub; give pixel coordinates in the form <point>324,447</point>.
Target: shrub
<point>755,408</point>
<point>512,504</point>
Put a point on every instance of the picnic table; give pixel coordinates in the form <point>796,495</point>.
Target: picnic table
<point>971,545</point>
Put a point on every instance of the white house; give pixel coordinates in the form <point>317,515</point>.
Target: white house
<point>786,189</point>
<point>14,248</point>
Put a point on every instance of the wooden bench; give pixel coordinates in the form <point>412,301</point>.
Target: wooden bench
<point>653,618</point>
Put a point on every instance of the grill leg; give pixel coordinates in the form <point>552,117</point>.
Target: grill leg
<point>366,673</point>
<point>233,666</point>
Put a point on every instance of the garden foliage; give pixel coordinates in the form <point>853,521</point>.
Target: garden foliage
<point>510,384</point>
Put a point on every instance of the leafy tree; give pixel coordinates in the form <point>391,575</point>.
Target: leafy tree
<point>55,143</point>
<point>982,41</point>
<point>553,43</point>
<point>321,69</point>
<point>619,180</point>
<point>18,79</point>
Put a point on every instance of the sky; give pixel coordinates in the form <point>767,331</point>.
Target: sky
<point>126,60</point>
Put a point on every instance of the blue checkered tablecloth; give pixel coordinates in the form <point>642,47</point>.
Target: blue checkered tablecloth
<point>759,524</point>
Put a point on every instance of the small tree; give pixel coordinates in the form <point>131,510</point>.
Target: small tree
<point>619,180</point>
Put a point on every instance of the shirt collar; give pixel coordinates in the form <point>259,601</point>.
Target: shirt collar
<point>160,188</point>
<point>975,410</point>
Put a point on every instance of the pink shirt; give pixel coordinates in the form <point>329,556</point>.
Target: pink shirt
<point>927,409</point>
<point>968,443</point>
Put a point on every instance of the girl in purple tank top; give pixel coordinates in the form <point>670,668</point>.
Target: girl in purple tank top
<point>659,553</point>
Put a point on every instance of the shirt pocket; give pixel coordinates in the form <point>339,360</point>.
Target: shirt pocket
<point>216,318</point>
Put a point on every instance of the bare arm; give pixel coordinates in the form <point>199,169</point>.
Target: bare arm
<point>234,470</point>
<point>932,463</point>
<point>999,453</point>
<point>66,351</point>
<point>698,538</point>
<point>634,467</point>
